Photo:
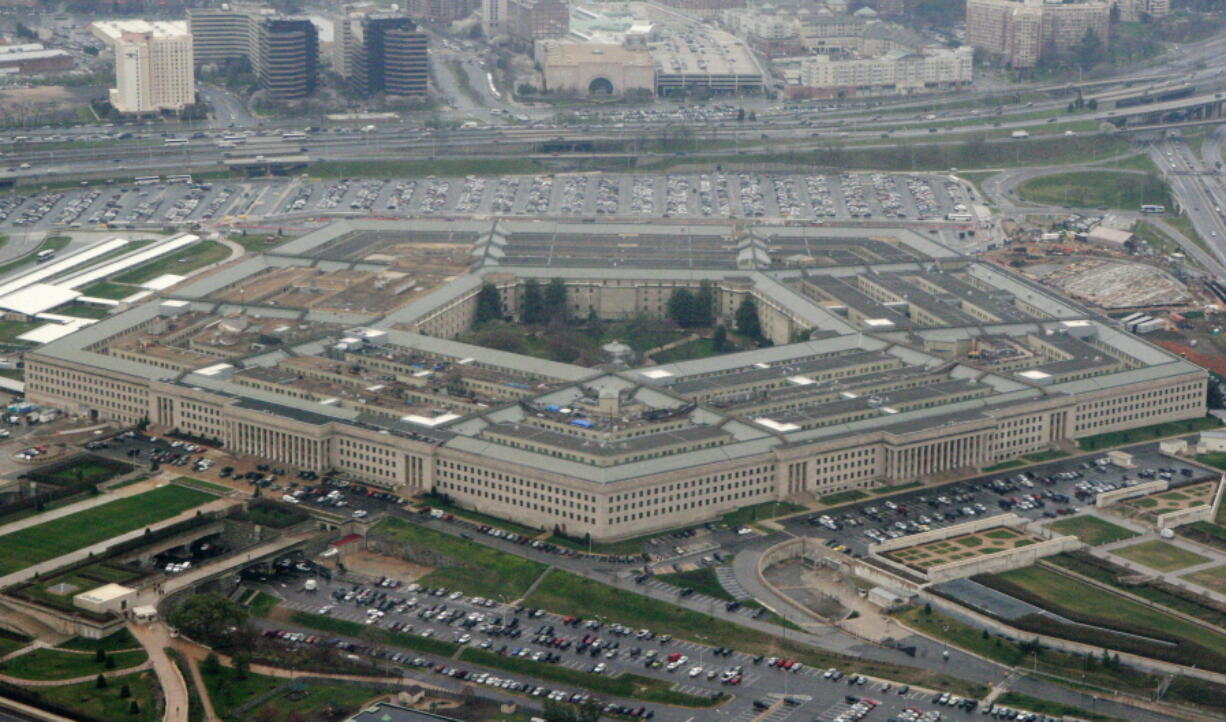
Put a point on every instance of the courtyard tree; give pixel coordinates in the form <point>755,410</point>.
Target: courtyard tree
<point>532,305</point>
<point>209,618</point>
<point>704,305</point>
<point>747,323</point>
<point>489,305</point>
<point>555,300</point>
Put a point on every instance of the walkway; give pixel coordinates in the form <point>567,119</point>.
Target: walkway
<point>77,680</point>
<point>1176,577</point>
<point>155,640</point>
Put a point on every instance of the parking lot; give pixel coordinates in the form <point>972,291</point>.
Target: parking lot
<point>849,196</point>
<point>1044,491</point>
<point>782,689</point>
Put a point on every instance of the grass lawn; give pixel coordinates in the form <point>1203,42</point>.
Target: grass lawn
<point>12,641</point>
<point>1183,224</point>
<point>83,310</point>
<point>1091,529</point>
<point>896,488</point>
<point>567,593</point>
<point>320,702</point>
<point>633,686</point>
<point>10,330</point>
<point>1213,578</point>
<point>1186,602</point>
<point>428,645</point>
<point>202,485</point>
<point>57,664</point>
<point>106,704</point>
<point>1160,555</point>
<point>88,470</point>
<point>765,510</point>
<point>262,604</point>
<point>1082,598</point>
<point>256,242</point>
<point>108,289</point>
<point>479,569</point>
<point>1147,433</point>
<point>122,639</point>
<point>842,497</point>
<point>1010,464</point>
<point>180,262</point>
<point>702,581</point>
<point>698,348</point>
<point>227,691</point>
<point>1090,189</point>
<point>1047,455</point>
<point>84,528</point>
<point>959,634</point>
<point>1042,706</point>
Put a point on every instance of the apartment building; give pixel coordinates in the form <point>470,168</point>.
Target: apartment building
<point>895,73</point>
<point>1021,31</point>
<point>153,71</point>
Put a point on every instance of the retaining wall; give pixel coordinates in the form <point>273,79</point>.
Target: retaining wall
<point>1107,498</point>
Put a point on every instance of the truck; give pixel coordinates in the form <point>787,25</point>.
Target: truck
<point>1018,134</point>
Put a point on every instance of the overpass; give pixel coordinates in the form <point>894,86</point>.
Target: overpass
<point>1196,107</point>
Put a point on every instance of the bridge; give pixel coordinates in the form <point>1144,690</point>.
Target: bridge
<point>1197,107</point>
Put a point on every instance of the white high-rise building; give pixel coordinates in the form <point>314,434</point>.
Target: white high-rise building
<point>153,72</point>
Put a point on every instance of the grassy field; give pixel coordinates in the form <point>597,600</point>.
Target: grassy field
<point>51,664</point>
<point>88,470</point>
<point>1082,598</point>
<point>1109,574</point>
<point>83,310</point>
<point>111,290</point>
<point>479,569</point>
<point>181,262</point>
<point>202,485</point>
<point>1147,433</point>
<point>256,242</point>
<point>881,490</point>
<point>633,686</point>
<point>702,581</point>
<point>697,348</point>
<point>1091,529</point>
<point>1090,189</point>
<point>11,642</point>
<point>567,593</point>
<point>435,501</point>
<point>122,639</point>
<point>1183,224</point>
<point>765,510</point>
<point>1010,464</point>
<point>319,702</point>
<point>106,704</point>
<point>227,692</point>
<point>1055,709</point>
<point>1156,238</point>
<point>85,528</point>
<point>842,497</point>
<point>1213,578</point>
<point>1160,555</point>
<point>10,330</point>
<point>262,604</point>
<point>417,643</point>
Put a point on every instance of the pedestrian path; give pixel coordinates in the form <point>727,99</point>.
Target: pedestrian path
<point>727,579</point>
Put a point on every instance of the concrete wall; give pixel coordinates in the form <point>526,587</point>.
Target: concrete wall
<point>969,527</point>
<point>1207,512</point>
<point>1129,492</point>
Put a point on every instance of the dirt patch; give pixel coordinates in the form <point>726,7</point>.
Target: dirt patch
<point>377,565</point>
<point>1214,363</point>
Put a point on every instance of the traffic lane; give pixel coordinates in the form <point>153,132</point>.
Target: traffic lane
<point>759,681</point>
<point>916,504</point>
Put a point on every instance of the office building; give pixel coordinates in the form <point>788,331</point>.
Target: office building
<point>913,360</point>
<point>153,71</point>
<point>897,72</point>
<point>493,17</point>
<point>33,58</point>
<point>1020,32</point>
<point>381,54</point>
<point>283,51</point>
<point>527,21</point>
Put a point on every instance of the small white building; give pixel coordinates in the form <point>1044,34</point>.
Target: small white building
<point>890,598</point>
<point>1211,441</point>
<point>107,598</point>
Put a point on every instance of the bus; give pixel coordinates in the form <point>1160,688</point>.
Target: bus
<point>184,178</point>
<point>44,255</point>
<point>175,141</point>
<point>959,217</point>
<point>234,138</point>
<point>293,136</point>
<point>147,180</point>
<point>1150,208</point>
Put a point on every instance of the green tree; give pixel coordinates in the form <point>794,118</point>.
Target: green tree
<point>125,692</point>
<point>242,666</point>
<point>557,712</point>
<point>555,300</point>
<point>489,305</point>
<point>927,607</point>
<point>209,618</point>
<point>1089,51</point>
<point>109,663</point>
<point>704,305</point>
<point>681,307</point>
<point>99,682</point>
<point>100,655</point>
<point>747,323</point>
<point>719,339</point>
<point>133,708</point>
<point>532,306</point>
<point>211,664</point>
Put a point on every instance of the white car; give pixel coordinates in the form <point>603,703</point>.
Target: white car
<point>359,513</point>
<point>695,671</point>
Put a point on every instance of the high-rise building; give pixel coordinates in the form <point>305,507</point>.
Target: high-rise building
<point>1021,31</point>
<point>440,10</point>
<point>153,71</point>
<point>530,20</point>
<point>381,54</point>
<point>283,51</point>
<point>288,59</point>
<point>493,17</point>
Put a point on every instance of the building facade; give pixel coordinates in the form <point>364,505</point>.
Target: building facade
<point>283,52</point>
<point>1020,32</point>
<point>383,54</point>
<point>153,72</point>
<point>527,21</point>
<point>895,73</point>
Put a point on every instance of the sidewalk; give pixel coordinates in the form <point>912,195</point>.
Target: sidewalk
<point>155,639</point>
